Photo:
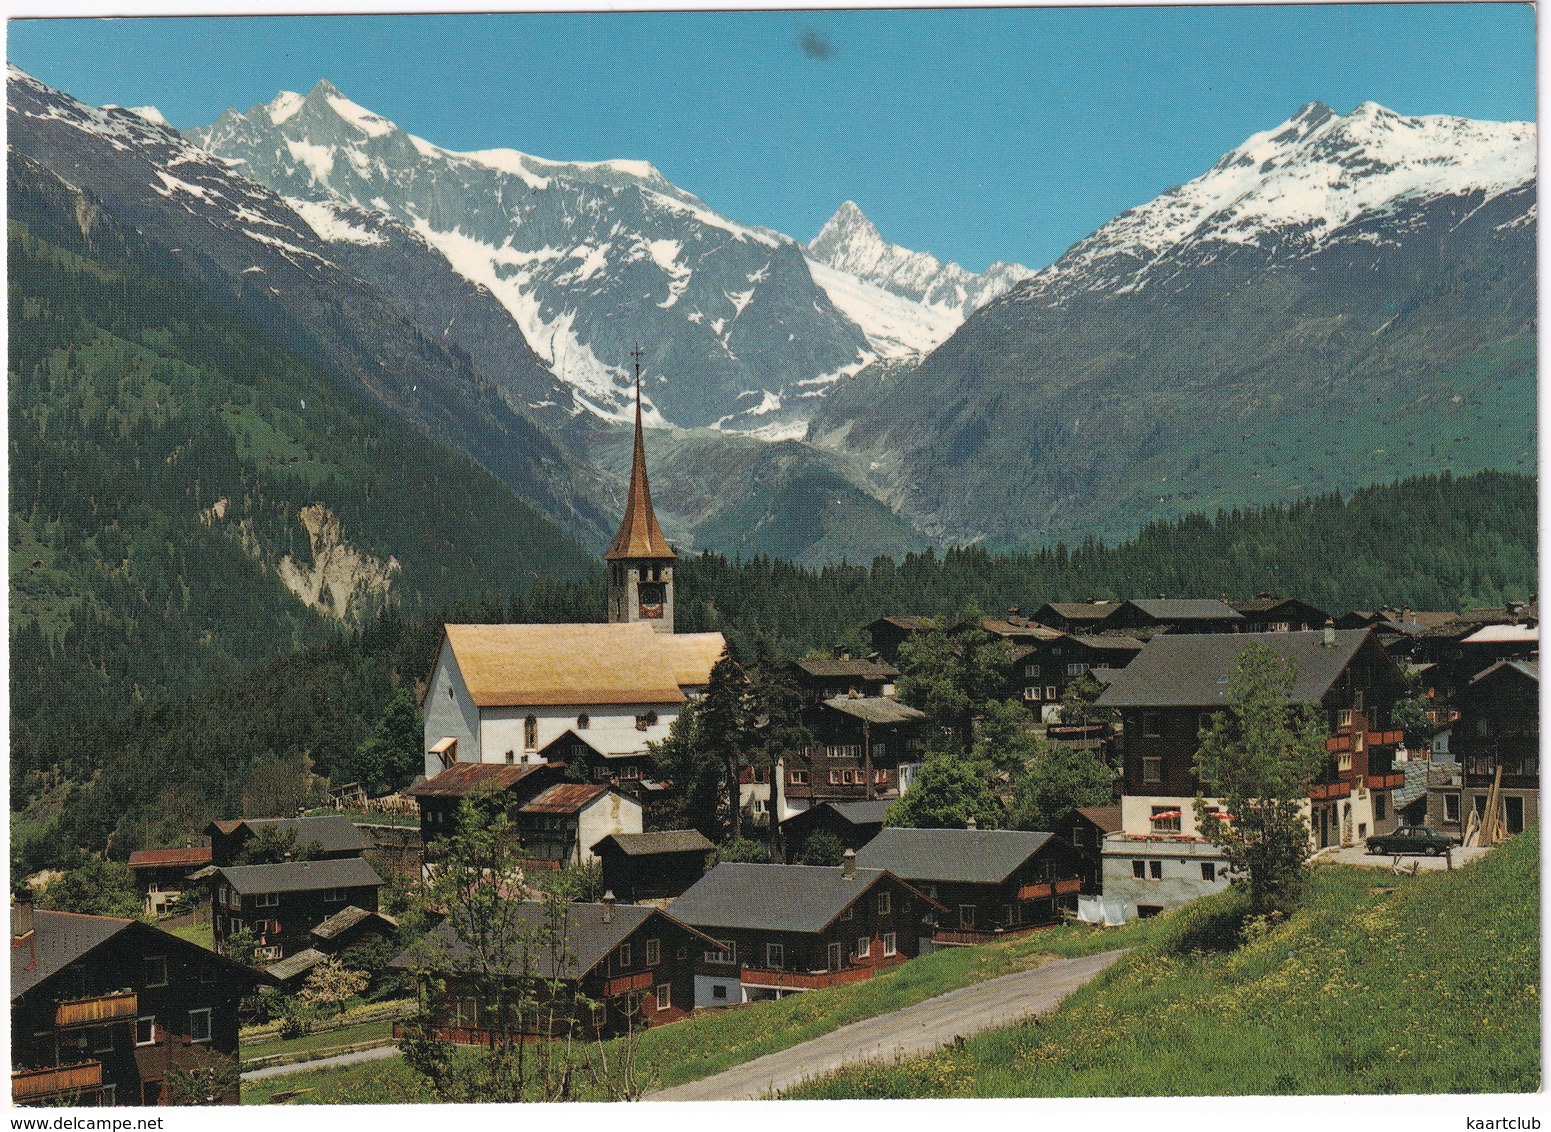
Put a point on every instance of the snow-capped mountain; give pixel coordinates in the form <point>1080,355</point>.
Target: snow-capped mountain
<point>1340,300</point>
<point>588,259</point>
<point>1312,182</point>
<point>850,243</point>
<point>306,274</point>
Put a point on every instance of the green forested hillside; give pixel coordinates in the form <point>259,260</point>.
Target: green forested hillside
<point>161,453</point>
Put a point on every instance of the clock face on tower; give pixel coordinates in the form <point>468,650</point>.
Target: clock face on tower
<point>649,601</point>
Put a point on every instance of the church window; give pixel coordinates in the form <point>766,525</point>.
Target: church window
<point>530,732</point>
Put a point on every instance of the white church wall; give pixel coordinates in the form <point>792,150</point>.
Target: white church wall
<point>611,728</point>
<point>449,711</point>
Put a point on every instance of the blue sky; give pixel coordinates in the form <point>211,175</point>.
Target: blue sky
<point>974,134</point>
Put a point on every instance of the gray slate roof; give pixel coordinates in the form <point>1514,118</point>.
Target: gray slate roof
<point>861,813</point>
<point>302,876</point>
<point>341,922</point>
<point>59,939</point>
<point>1082,610</point>
<point>793,898</point>
<point>951,856</point>
<point>862,668</point>
<point>1108,641</point>
<point>588,938</point>
<point>1415,784</point>
<point>334,832</point>
<point>1529,668</point>
<point>293,965</point>
<point>663,841</point>
<point>875,709</point>
<point>1191,669</point>
<point>1185,609</point>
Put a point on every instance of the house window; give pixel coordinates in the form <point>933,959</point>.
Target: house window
<point>267,900</point>
<point>206,973</point>
<point>583,721</point>
<point>1344,717</point>
<point>102,1039</point>
<point>631,772</point>
<point>797,777</point>
<point>1380,807</point>
<point>1166,819</point>
<point>1031,670</point>
<point>623,955</point>
<point>156,971</point>
<point>1076,669</point>
<point>530,732</point>
<point>1139,870</point>
<point>885,903</point>
<point>728,954</point>
<point>600,774</point>
<point>775,956</point>
<point>1031,693</point>
<point>199,1025</point>
<point>966,915</point>
<point>1451,808</point>
<point>880,776</point>
<point>1152,768</point>
<point>719,991</point>
<point>334,896</point>
<point>1155,869</point>
<point>511,756</point>
<point>1152,725</point>
<point>145,1030</point>
<point>863,946</point>
<point>848,912</point>
<point>272,951</point>
<point>1208,871</point>
<point>888,944</point>
<point>653,952</point>
<point>1050,692</point>
<point>834,778</point>
<point>664,996</point>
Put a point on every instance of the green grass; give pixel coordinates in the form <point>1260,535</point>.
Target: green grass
<point>326,1039</point>
<point>1377,984</point>
<point>720,1039</point>
<point>201,934</point>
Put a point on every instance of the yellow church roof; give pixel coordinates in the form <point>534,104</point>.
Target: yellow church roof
<point>544,665</point>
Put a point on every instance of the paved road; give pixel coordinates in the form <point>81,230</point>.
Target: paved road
<point>909,1032</point>
<point>373,1054</point>
<point>1359,855</point>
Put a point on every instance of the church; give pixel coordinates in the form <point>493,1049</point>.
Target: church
<point>597,693</point>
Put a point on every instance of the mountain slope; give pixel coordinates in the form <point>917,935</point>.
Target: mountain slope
<point>153,198</point>
<point>1338,301</point>
<point>587,258</point>
<point>189,497</point>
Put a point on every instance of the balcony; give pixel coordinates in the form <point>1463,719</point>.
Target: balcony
<point>1046,889</point>
<point>769,978</point>
<point>97,1010</point>
<point>623,984</point>
<point>33,1084</point>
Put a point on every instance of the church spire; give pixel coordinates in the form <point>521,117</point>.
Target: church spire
<point>639,535</point>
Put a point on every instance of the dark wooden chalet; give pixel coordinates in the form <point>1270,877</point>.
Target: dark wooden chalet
<point>1498,728</point>
<point>1042,669</point>
<point>890,633</point>
<point>1076,616</point>
<point>1084,828</point>
<point>439,798</point>
<point>1168,694</point>
<point>348,935</point>
<point>859,744</point>
<point>853,824</point>
<point>1176,615</point>
<point>161,875</point>
<point>988,881</point>
<point>327,836</point>
<point>635,960</point>
<point>645,866</point>
<point>842,675</point>
<point>281,904</point>
<point>560,826</point>
<point>104,1010</point>
<point>786,928</point>
<point>1266,614</point>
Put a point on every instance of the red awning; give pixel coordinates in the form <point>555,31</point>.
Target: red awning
<point>1167,815</point>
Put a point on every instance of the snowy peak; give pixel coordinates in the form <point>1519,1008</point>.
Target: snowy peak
<point>849,242</point>
<point>1295,188</point>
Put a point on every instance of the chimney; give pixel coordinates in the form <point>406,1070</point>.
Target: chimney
<point>848,864</point>
<point>21,915</point>
<point>971,824</point>
<point>1330,634</point>
<point>608,906</point>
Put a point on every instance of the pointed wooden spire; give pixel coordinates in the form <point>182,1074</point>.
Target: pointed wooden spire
<point>639,535</point>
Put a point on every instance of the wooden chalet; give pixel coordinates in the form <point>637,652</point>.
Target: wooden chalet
<point>1076,616</point>
<point>853,824</point>
<point>281,904</point>
<point>104,1010</point>
<point>842,675</point>
<point>647,866</point>
<point>987,882</point>
<point>788,928</point>
<point>890,633</point>
<point>441,797</point>
<point>1042,668</point>
<point>1176,615</point>
<point>1498,733</point>
<point>561,825</point>
<point>1084,828</point>
<point>346,934</point>
<point>635,960</point>
<point>328,836</point>
<point>860,744</point>
<point>162,875</point>
<point>1267,614</point>
<point>1168,694</point>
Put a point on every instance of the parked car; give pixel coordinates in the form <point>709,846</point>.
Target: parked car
<point>1411,839</point>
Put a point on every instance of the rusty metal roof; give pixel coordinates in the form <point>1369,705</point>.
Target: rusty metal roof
<point>165,858</point>
<point>565,798</point>
<point>463,778</point>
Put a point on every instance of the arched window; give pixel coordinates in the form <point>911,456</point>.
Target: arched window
<point>530,732</point>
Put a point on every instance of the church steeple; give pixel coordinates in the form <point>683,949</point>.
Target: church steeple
<point>640,559</point>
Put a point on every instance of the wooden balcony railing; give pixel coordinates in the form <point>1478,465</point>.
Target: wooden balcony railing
<point>803,980</point>
<point>30,1084</point>
<point>98,1009</point>
<point>1045,889</point>
<point>622,984</point>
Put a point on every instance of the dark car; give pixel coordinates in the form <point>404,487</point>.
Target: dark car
<point>1411,839</point>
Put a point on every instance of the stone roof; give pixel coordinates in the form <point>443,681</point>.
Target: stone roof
<point>838,667</point>
<point>1106,818</point>
<point>951,856</point>
<point>297,964</point>
<point>875,709</point>
<point>58,939</point>
<point>793,898</point>
<point>334,832</point>
<point>302,876</point>
<point>1192,669</point>
<point>1185,609</point>
<point>663,841</point>
<point>341,922</point>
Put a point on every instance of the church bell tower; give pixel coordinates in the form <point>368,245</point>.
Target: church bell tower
<point>640,561</point>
